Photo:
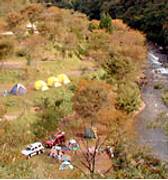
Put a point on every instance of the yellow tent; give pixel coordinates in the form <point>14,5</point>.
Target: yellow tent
<point>51,80</point>
<point>40,85</point>
<point>63,78</point>
<point>57,84</point>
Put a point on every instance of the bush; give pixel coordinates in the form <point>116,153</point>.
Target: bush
<point>128,97</point>
<point>106,22</point>
<point>92,26</point>
<point>158,86</point>
<point>90,98</point>
<point>165,97</point>
<point>117,67</point>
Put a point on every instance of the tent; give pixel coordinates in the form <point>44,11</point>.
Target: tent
<point>53,81</point>
<point>40,85</point>
<point>89,133</point>
<point>63,78</point>
<point>73,145</point>
<point>66,165</point>
<point>18,89</point>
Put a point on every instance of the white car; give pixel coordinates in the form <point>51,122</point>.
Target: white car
<point>33,149</point>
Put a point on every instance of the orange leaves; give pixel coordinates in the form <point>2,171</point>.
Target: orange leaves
<point>14,19</point>
<point>32,12</point>
<point>119,25</point>
<point>90,97</point>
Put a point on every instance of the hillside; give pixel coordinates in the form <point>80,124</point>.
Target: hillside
<point>104,61</point>
<point>149,16</point>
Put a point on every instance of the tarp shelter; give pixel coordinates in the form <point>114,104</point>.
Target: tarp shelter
<point>89,133</point>
<point>53,82</point>
<point>18,89</point>
<point>40,85</point>
<point>63,79</point>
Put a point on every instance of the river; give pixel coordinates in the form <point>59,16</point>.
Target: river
<point>155,71</point>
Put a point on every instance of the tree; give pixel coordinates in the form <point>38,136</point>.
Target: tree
<point>106,22</point>
<point>117,67</point>
<point>90,97</point>
<point>32,14</point>
<point>15,23</point>
<point>30,46</point>
<point>89,157</point>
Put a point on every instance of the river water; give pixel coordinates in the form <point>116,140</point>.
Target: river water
<point>156,71</point>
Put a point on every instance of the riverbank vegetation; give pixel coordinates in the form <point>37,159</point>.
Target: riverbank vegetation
<point>104,64</point>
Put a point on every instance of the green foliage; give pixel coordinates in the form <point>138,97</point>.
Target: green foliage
<point>138,164</point>
<point>97,75</point>
<point>93,26</point>
<point>10,76</point>
<point>128,97</point>
<point>49,116</point>
<point>106,22</point>
<point>117,67</point>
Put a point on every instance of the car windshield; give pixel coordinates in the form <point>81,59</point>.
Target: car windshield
<point>28,148</point>
<point>51,138</point>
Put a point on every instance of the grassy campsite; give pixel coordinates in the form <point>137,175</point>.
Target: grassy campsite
<point>102,63</point>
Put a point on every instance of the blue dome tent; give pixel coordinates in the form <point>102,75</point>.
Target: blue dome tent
<point>18,89</point>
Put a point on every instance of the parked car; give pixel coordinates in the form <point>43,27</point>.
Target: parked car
<point>33,149</point>
<point>57,139</point>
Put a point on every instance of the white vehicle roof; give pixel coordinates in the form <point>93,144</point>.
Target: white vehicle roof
<point>35,144</point>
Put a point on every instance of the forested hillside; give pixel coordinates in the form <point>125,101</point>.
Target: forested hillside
<point>150,16</point>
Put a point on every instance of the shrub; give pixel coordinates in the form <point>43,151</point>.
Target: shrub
<point>128,97</point>
<point>117,67</point>
<point>158,86</point>
<point>97,75</point>
<point>106,22</point>
<point>49,117</point>
<point>165,97</point>
<point>92,26</point>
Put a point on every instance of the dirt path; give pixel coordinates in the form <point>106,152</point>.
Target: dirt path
<point>12,65</point>
<point>154,138</point>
